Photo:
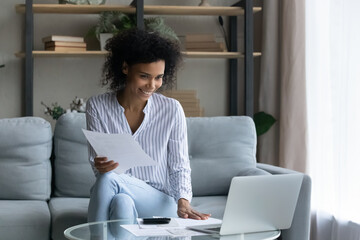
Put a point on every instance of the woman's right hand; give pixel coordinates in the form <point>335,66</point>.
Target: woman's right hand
<point>103,165</point>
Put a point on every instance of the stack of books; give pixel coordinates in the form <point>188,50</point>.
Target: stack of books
<point>203,43</point>
<point>64,43</point>
<point>188,101</point>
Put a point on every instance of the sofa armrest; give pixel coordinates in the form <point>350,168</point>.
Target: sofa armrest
<point>300,228</point>
<point>274,169</point>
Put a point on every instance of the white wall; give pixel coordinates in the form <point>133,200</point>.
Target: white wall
<point>11,32</point>
<point>61,79</point>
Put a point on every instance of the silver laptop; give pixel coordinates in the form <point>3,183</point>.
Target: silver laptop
<point>257,204</point>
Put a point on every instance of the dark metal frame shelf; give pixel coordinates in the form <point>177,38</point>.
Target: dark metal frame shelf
<point>247,5</point>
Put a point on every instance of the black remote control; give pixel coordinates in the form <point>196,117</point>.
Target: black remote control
<point>156,220</point>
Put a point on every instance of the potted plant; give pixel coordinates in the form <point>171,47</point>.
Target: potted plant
<point>2,64</point>
<point>55,110</point>
<point>263,122</point>
<point>112,22</point>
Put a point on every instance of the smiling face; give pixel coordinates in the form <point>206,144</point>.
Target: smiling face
<point>143,79</point>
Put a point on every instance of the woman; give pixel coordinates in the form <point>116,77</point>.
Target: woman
<point>139,63</point>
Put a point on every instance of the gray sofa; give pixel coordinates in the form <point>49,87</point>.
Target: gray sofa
<point>45,178</point>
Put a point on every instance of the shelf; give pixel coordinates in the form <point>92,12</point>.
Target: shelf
<point>246,7</point>
<point>148,9</point>
<point>226,55</point>
<point>39,53</point>
<point>75,9</point>
<point>217,54</point>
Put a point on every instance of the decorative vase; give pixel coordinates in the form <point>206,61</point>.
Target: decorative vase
<point>103,39</point>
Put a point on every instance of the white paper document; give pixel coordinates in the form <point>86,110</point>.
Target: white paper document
<point>187,222</point>
<point>176,227</point>
<point>121,148</point>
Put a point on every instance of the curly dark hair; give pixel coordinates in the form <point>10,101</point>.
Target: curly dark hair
<point>139,46</point>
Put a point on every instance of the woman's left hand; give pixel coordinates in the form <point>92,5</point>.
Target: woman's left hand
<point>186,211</point>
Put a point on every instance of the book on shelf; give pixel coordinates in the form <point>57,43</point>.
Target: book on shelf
<point>187,98</point>
<point>206,45</point>
<point>198,113</point>
<point>188,101</point>
<point>66,49</point>
<point>199,38</point>
<point>203,43</point>
<point>64,44</point>
<point>62,38</point>
<point>180,93</point>
<point>191,108</point>
<point>190,104</point>
<point>205,50</point>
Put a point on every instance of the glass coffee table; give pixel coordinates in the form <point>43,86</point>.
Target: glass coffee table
<point>121,229</point>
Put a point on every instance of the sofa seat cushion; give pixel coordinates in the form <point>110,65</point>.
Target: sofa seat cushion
<point>65,213</point>
<point>25,149</point>
<point>22,219</point>
<point>215,205</point>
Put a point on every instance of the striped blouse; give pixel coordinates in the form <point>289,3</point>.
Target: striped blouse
<point>162,135</point>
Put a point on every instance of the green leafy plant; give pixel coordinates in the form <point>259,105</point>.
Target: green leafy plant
<point>116,22</point>
<point>2,61</point>
<point>157,24</point>
<point>55,111</point>
<point>111,22</point>
<point>263,122</point>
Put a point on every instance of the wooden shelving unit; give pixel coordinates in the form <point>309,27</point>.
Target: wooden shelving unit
<point>227,55</point>
<point>150,9</point>
<point>242,8</point>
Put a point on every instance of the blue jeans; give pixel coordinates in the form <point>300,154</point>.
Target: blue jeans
<point>116,196</point>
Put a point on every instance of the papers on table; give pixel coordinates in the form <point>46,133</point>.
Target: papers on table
<point>121,148</point>
<point>186,222</point>
<point>177,227</point>
<point>172,223</point>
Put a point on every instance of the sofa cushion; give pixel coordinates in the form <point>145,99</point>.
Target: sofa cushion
<point>65,213</point>
<point>215,205</point>
<point>25,149</point>
<point>219,149</point>
<point>73,174</point>
<point>213,141</point>
<point>24,219</point>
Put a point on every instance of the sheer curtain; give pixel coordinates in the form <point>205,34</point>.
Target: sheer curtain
<point>333,103</point>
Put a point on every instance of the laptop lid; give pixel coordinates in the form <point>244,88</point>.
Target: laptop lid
<point>261,203</point>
